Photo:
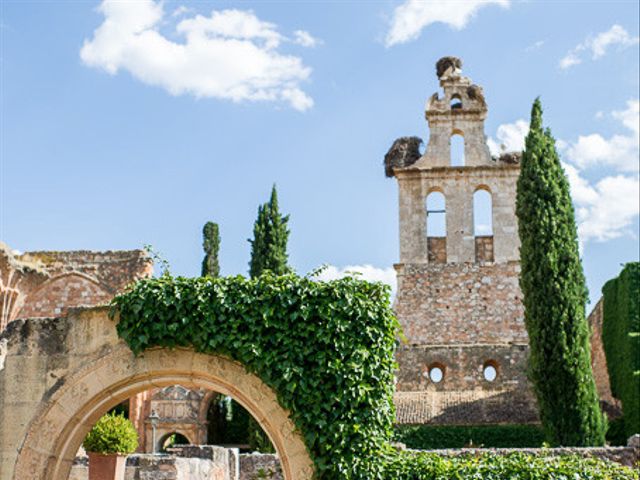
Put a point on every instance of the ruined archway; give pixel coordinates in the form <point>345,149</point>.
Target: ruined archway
<point>110,373</point>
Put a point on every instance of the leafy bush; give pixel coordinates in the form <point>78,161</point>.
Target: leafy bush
<point>616,434</point>
<point>428,466</point>
<point>621,340</point>
<point>112,434</point>
<point>327,350</point>
<point>427,437</point>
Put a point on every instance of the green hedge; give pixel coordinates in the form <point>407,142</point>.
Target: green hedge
<point>621,339</point>
<point>429,437</point>
<point>518,466</point>
<point>326,349</point>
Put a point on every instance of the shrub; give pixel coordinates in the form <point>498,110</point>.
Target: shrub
<point>427,466</point>
<point>112,434</point>
<point>428,437</point>
<point>621,340</point>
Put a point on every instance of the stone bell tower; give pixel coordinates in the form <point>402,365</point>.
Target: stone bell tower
<point>458,299</point>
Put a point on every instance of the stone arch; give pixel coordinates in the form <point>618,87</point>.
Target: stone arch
<point>58,294</point>
<point>164,437</point>
<point>457,148</point>
<point>65,417</point>
<point>482,211</point>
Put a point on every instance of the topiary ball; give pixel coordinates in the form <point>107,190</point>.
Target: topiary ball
<point>112,434</point>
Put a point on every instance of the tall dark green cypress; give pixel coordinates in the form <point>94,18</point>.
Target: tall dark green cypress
<point>270,236</point>
<point>268,252</point>
<point>553,286</point>
<point>211,246</point>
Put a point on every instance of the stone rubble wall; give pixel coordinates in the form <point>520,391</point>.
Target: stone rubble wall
<point>49,283</point>
<point>254,466</point>
<point>612,406</point>
<point>194,462</point>
<point>468,303</point>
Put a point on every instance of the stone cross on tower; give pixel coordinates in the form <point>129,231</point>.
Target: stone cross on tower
<point>458,297</point>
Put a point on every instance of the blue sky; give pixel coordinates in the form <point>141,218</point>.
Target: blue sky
<point>132,123</point>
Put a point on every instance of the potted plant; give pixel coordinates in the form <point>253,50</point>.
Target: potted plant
<point>108,443</point>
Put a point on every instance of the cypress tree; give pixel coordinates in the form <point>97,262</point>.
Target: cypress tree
<point>211,246</point>
<point>268,252</point>
<point>554,291</point>
<point>270,235</point>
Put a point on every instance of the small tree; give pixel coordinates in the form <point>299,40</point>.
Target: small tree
<point>113,433</point>
<point>554,291</point>
<point>211,246</point>
<point>270,236</point>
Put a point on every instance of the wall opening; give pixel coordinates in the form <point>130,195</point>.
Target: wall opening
<point>456,102</point>
<point>483,225</point>
<point>436,372</point>
<point>436,228</point>
<point>59,432</point>
<point>490,370</point>
<point>457,150</point>
<point>482,213</point>
<point>171,439</point>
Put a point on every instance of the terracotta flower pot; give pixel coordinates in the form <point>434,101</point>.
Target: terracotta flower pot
<point>106,467</point>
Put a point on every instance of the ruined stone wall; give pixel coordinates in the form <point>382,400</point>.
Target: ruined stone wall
<point>464,303</point>
<point>464,396</point>
<point>612,406</point>
<point>458,184</point>
<point>59,375</point>
<point>47,284</point>
<point>459,299</point>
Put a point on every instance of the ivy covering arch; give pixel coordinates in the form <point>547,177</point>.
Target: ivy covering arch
<point>327,350</point>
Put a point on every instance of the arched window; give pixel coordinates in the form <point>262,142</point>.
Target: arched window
<point>436,215</point>
<point>171,439</point>
<point>482,213</point>
<point>457,150</point>
<point>456,102</point>
<point>436,228</point>
<point>483,225</point>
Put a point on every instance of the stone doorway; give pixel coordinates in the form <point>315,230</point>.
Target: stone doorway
<point>60,375</point>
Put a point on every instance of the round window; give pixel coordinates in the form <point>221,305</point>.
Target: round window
<point>436,374</point>
<point>490,373</point>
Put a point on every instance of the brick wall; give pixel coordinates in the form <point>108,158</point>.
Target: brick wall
<point>460,303</point>
<point>47,284</point>
<point>610,405</point>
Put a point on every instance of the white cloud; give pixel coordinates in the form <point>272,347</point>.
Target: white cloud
<point>231,54</point>
<point>412,16</point>
<point>510,137</point>
<point>607,209</point>
<point>365,272</point>
<point>181,10</point>
<point>301,37</point>
<point>598,45</point>
<point>618,151</point>
<point>535,46</point>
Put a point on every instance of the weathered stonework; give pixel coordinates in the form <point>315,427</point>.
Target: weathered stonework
<point>180,411</point>
<point>47,284</point>
<point>458,299</point>
<point>611,405</point>
<point>60,375</point>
